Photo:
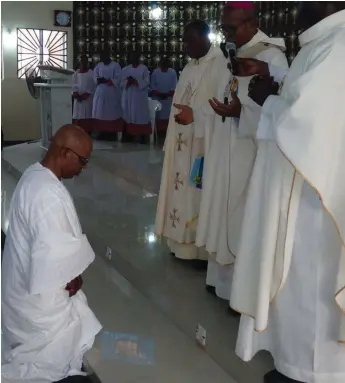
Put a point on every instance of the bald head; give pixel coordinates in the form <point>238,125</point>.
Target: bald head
<point>73,137</point>
<point>68,152</point>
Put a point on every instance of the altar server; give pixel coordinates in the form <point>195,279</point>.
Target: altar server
<point>289,277</point>
<point>47,325</point>
<point>83,90</point>
<point>135,97</point>
<point>179,200</point>
<point>107,110</point>
<point>163,84</point>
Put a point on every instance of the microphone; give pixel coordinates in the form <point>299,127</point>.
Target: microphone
<point>230,48</point>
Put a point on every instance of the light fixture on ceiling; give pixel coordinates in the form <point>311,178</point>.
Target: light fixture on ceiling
<point>156,13</point>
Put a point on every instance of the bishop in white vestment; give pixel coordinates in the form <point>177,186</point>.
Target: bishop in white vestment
<point>47,325</point>
<point>289,276</point>
<point>179,201</point>
<point>230,159</point>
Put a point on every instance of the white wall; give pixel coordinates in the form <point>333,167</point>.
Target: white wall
<point>20,118</point>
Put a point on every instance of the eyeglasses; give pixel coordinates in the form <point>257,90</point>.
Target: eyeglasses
<point>83,160</point>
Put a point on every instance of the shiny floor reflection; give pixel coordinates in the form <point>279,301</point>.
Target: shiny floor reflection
<point>140,291</point>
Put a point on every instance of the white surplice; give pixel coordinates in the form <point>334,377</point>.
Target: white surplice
<point>289,275</point>
<point>45,333</point>
<point>228,167</point>
<point>83,83</point>
<point>179,201</point>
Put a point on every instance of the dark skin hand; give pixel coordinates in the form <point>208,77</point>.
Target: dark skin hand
<point>261,87</point>
<point>186,116</point>
<point>251,67</point>
<point>233,109</point>
<point>244,67</point>
<point>102,80</point>
<point>74,286</point>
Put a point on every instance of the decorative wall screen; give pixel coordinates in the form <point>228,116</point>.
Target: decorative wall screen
<point>278,19</point>
<point>153,28</point>
<point>40,47</point>
<point>156,28</point>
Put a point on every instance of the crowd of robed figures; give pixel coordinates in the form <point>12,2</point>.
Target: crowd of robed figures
<point>253,182</point>
<point>111,99</point>
<point>268,213</point>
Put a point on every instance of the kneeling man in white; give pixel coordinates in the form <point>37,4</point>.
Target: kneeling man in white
<point>47,324</point>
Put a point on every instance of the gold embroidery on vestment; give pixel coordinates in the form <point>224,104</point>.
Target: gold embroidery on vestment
<point>180,142</point>
<point>178,181</point>
<point>174,218</point>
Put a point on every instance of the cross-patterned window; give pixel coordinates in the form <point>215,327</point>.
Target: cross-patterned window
<point>40,47</point>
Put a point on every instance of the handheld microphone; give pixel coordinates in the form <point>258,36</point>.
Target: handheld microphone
<point>231,49</point>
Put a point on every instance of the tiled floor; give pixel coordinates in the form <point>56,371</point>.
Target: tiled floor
<point>145,292</point>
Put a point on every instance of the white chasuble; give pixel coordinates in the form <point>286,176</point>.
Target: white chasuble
<point>289,275</point>
<point>179,201</point>
<point>228,168</point>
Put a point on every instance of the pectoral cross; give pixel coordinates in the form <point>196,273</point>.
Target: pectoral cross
<point>177,181</point>
<point>180,142</point>
<point>174,218</point>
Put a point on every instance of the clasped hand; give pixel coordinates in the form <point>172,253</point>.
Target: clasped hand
<point>74,286</point>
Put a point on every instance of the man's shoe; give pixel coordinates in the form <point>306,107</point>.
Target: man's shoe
<point>276,377</point>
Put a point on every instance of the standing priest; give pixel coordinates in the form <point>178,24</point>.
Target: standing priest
<point>179,200</point>
<point>289,279</point>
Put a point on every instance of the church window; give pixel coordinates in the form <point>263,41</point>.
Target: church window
<point>40,47</point>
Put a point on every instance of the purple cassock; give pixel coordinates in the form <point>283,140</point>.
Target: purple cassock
<point>135,101</point>
<point>163,84</point>
<point>106,108</point>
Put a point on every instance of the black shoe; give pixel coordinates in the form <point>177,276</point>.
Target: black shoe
<point>76,379</point>
<point>211,290</point>
<point>198,264</point>
<point>276,377</point>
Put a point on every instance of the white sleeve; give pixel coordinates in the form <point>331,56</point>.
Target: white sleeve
<point>251,112</point>
<point>277,72</point>
<point>272,109</point>
<point>96,74</point>
<point>57,255</point>
<point>75,82</point>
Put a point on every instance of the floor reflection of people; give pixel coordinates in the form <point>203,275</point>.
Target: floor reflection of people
<point>83,90</point>
<point>163,84</point>
<point>135,102</point>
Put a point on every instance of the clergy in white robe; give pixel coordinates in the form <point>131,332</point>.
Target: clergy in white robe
<point>163,85</point>
<point>135,82</point>
<point>289,275</point>
<point>179,201</point>
<point>83,90</point>
<point>47,325</point>
<point>232,152</point>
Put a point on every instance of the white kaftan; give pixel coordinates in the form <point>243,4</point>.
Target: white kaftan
<point>83,83</point>
<point>289,275</point>
<point>232,153</point>
<point>179,201</point>
<point>45,333</point>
